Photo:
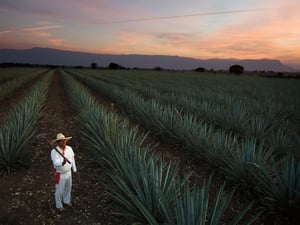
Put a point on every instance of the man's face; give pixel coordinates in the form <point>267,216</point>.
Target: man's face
<point>62,143</point>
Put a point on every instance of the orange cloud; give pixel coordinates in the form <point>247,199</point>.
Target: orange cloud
<point>261,37</point>
<point>124,42</point>
<point>41,34</point>
<point>57,42</point>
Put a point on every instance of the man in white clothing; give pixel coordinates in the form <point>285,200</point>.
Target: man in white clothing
<point>63,159</point>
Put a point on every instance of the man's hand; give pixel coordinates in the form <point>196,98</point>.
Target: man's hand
<point>64,162</point>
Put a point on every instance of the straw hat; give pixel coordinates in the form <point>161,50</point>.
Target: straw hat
<point>59,137</point>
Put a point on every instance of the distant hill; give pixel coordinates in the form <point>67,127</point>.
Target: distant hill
<point>72,58</point>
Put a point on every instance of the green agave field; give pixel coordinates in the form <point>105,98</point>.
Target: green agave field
<point>246,128</point>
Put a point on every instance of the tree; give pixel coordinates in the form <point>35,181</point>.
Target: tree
<point>200,69</point>
<point>93,65</point>
<point>115,66</point>
<point>237,69</point>
<point>158,68</point>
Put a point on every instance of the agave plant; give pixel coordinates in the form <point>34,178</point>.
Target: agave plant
<point>240,164</point>
<point>208,111</point>
<point>195,206</point>
<point>145,188</point>
<point>220,145</point>
<point>13,150</point>
<point>237,117</point>
<point>19,129</point>
<point>280,189</point>
<point>279,140</point>
<point>258,128</point>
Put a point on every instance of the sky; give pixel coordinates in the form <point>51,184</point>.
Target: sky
<point>245,29</point>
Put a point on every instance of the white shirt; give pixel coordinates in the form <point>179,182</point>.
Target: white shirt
<point>57,160</point>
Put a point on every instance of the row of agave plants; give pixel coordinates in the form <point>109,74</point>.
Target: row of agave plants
<point>11,73</point>
<point>18,130</point>
<point>207,86</point>
<point>273,182</point>
<point>148,189</point>
<point>270,127</point>
<point>217,89</point>
<point>13,82</point>
<point>273,123</point>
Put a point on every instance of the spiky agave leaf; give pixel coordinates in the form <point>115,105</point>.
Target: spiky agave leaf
<point>145,183</point>
<point>280,189</point>
<point>240,164</point>
<point>195,206</point>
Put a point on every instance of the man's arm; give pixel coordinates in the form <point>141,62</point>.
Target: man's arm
<point>73,161</point>
<point>56,160</point>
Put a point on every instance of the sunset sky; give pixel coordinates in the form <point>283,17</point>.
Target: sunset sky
<point>246,29</point>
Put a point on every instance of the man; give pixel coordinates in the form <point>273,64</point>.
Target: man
<point>63,160</point>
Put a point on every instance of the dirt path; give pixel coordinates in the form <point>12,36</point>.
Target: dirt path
<point>28,196</point>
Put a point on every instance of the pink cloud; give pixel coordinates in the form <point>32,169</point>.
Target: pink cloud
<point>3,9</point>
<point>57,42</point>
<point>41,34</point>
<point>5,32</point>
<point>42,28</point>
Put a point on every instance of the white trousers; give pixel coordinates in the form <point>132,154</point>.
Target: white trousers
<point>63,189</point>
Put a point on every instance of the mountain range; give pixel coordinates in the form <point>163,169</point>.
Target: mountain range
<point>51,56</point>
